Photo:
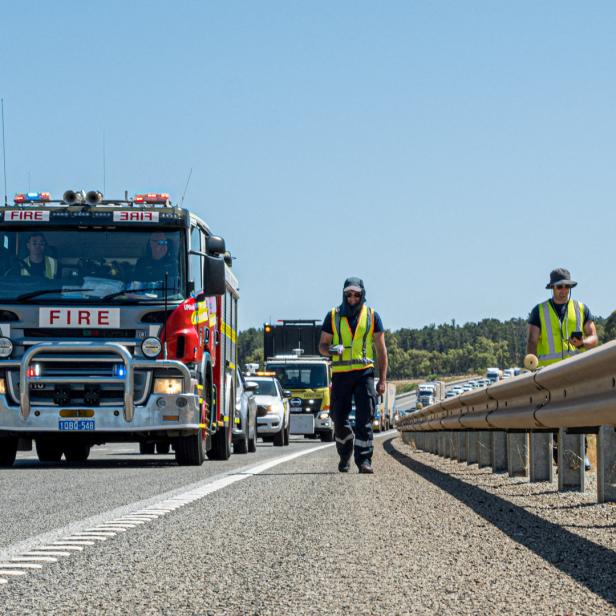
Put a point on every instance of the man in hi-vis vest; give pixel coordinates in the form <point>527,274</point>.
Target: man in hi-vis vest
<point>560,327</point>
<point>349,333</point>
<point>37,263</point>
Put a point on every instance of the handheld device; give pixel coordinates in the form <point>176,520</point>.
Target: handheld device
<point>577,335</point>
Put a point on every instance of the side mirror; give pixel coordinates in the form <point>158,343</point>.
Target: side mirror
<point>286,393</point>
<point>251,386</point>
<point>213,276</point>
<point>215,245</point>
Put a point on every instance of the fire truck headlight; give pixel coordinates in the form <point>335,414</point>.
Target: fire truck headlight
<point>168,386</point>
<point>6,347</point>
<point>151,347</point>
<point>324,415</point>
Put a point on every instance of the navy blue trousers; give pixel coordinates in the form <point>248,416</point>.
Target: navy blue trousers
<point>360,386</point>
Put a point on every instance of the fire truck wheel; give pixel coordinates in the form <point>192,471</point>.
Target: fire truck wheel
<point>221,444</point>
<point>146,448</point>
<point>327,437</point>
<point>241,446</point>
<point>287,433</point>
<point>163,448</point>
<point>189,450</point>
<point>48,451</point>
<point>8,451</point>
<point>79,451</point>
<point>252,442</point>
<point>279,438</point>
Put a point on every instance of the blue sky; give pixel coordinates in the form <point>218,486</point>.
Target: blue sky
<point>449,153</point>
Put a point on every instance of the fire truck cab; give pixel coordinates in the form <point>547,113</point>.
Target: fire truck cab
<point>117,323</point>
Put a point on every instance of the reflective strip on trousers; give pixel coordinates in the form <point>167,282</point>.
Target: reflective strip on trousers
<point>347,438</point>
<point>360,443</point>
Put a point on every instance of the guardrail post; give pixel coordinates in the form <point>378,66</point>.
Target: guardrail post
<point>452,449</point>
<point>606,464</point>
<point>499,452</point>
<point>461,446</point>
<point>484,448</point>
<point>471,447</point>
<point>541,446</point>
<point>517,454</point>
<point>440,443</point>
<point>571,451</point>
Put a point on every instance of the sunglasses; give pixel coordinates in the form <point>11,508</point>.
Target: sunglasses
<point>560,287</point>
<point>352,294</point>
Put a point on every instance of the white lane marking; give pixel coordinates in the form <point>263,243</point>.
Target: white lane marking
<point>153,512</point>
<point>20,566</point>
<point>12,572</point>
<point>35,559</point>
<point>3,581</point>
<point>74,542</point>
<point>47,553</point>
<point>63,546</point>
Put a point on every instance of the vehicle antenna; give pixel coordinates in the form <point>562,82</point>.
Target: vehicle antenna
<point>104,165</point>
<point>6,199</point>
<point>186,187</point>
<point>165,320</point>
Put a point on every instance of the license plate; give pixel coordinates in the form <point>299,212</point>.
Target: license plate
<point>76,425</point>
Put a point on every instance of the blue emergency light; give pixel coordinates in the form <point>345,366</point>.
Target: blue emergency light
<point>32,197</point>
<point>119,370</point>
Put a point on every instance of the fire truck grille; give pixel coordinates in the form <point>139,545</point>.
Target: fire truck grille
<point>107,394</point>
<point>113,334</point>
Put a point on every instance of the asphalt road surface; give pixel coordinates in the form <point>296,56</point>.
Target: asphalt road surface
<point>282,532</point>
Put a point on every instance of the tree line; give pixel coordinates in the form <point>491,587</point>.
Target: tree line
<point>445,349</point>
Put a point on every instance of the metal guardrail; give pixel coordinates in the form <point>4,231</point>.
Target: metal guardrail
<point>573,397</point>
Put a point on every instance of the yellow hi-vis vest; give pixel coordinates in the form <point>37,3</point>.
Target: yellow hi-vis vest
<point>554,345</point>
<point>51,267</point>
<point>357,354</point>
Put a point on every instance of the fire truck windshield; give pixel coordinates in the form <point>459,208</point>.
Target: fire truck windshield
<point>91,264</point>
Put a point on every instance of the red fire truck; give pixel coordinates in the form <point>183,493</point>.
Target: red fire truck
<point>117,323</point>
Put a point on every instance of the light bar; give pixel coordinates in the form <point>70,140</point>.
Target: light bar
<point>264,373</point>
<point>32,197</point>
<point>155,198</point>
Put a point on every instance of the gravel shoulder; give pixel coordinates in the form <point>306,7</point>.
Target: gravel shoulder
<point>421,536</point>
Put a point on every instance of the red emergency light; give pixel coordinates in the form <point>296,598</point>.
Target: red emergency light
<point>32,197</point>
<point>152,198</point>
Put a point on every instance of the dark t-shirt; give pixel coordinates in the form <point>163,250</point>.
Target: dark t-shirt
<point>328,327</point>
<point>37,270</point>
<point>148,269</point>
<point>561,311</point>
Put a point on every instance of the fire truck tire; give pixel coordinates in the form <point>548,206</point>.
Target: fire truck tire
<point>252,442</point>
<point>163,448</point>
<point>48,451</point>
<point>78,451</point>
<point>146,448</point>
<point>8,451</point>
<point>221,444</point>
<point>279,438</point>
<point>327,437</point>
<point>287,433</point>
<point>189,450</point>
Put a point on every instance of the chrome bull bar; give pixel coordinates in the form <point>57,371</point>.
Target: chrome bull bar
<point>83,348</point>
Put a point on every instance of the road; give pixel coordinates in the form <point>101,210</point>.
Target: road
<point>277,535</point>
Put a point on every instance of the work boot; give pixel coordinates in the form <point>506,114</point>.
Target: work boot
<point>343,466</point>
<point>366,468</point>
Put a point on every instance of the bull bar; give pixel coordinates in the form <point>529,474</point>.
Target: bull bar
<point>130,364</point>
